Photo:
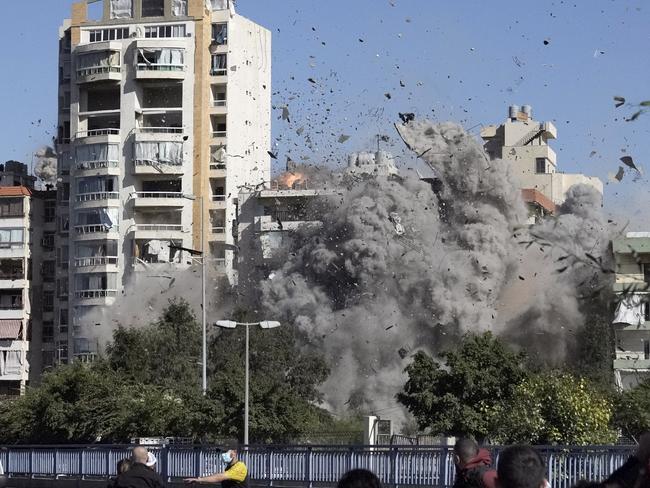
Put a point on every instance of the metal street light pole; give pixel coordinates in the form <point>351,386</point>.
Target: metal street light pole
<point>229,324</point>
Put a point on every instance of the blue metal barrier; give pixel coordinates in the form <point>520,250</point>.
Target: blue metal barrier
<point>396,466</point>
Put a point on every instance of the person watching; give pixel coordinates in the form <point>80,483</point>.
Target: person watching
<point>140,475</point>
<point>234,476</point>
<point>473,465</point>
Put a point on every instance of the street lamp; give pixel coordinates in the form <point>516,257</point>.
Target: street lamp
<point>229,324</point>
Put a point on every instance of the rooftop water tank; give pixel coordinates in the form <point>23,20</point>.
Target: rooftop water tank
<point>513,111</point>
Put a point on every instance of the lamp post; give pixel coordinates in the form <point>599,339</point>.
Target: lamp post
<point>229,324</point>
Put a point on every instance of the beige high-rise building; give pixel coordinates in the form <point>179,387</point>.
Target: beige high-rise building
<point>524,143</point>
<point>164,112</point>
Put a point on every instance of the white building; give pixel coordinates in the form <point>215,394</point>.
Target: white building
<point>379,163</point>
<point>164,113</point>
<point>632,320</point>
<point>524,143</point>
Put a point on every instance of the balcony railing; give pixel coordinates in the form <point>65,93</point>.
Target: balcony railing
<point>19,275</point>
<point>97,132</point>
<point>217,166</point>
<point>153,163</point>
<point>102,195</point>
<point>95,293</point>
<point>160,67</point>
<point>219,133</point>
<point>157,194</point>
<point>11,245</point>
<point>218,198</point>
<point>287,216</point>
<point>86,165</point>
<point>11,306</point>
<point>160,130</point>
<point>93,229</point>
<point>95,261</point>
<point>97,70</point>
<point>219,72</point>
<point>219,103</point>
<point>158,227</point>
<point>218,229</point>
<point>219,262</point>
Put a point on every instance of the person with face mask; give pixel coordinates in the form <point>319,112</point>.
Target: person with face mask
<point>234,476</point>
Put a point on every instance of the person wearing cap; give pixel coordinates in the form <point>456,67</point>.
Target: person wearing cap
<point>141,474</point>
<point>234,476</point>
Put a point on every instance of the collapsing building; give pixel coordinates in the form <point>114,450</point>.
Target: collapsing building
<point>524,143</point>
<point>632,320</point>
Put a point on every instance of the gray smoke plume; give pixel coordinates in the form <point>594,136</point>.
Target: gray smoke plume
<point>45,168</point>
<point>396,267</point>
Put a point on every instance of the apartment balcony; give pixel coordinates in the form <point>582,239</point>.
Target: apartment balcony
<point>158,231</point>
<point>97,168</point>
<point>94,232</point>
<point>219,107</point>
<point>632,363</point>
<point>92,74</point>
<point>161,58</point>
<point>95,297</point>
<point>97,199</point>
<point>269,223</point>
<point>98,136</point>
<point>159,199</point>
<point>160,134</point>
<point>12,250</point>
<point>217,170</point>
<point>13,283</point>
<point>149,167</point>
<point>100,264</point>
<point>219,137</point>
<point>218,202</point>
<point>12,312</point>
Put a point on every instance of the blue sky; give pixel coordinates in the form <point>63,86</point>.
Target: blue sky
<point>464,61</point>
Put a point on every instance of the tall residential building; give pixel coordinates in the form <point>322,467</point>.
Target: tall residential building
<point>27,272</point>
<point>164,112</point>
<point>524,143</point>
<point>632,320</point>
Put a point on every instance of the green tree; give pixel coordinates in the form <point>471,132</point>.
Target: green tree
<point>557,408</point>
<point>466,392</point>
<point>632,412</point>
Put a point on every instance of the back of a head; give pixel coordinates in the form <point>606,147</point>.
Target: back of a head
<point>359,478</point>
<point>139,455</point>
<point>466,448</point>
<point>520,467</point>
<point>123,465</point>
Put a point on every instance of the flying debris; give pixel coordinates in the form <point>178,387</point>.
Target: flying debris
<point>343,138</point>
<point>388,95</point>
<point>285,114</point>
<point>620,173</point>
<point>629,162</point>
<point>407,117</point>
<point>619,101</point>
<point>273,155</point>
<point>397,222</point>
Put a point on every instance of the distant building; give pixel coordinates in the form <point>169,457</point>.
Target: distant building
<point>380,163</point>
<point>27,275</point>
<point>524,143</point>
<point>632,320</point>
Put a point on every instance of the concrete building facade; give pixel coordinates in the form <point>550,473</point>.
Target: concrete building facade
<point>632,319</point>
<point>27,274</point>
<point>524,143</point>
<point>164,113</point>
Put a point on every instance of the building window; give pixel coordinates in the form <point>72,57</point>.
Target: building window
<point>48,331</point>
<point>48,271</point>
<point>11,269</point>
<point>153,8</point>
<point>11,207</point>
<point>540,165</point>
<point>646,311</point>
<point>220,34</point>
<point>101,35</point>
<point>11,299</point>
<point>219,65</point>
<point>121,9</point>
<point>48,241</point>
<point>646,272</point>
<point>48,301</point>
<point>50,211</point>
<point>12,238</point>
<point>63,317</point>
<point>154,31</point>
<point>646,349</point>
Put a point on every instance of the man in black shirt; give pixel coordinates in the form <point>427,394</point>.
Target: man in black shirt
<point>139,475</point>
